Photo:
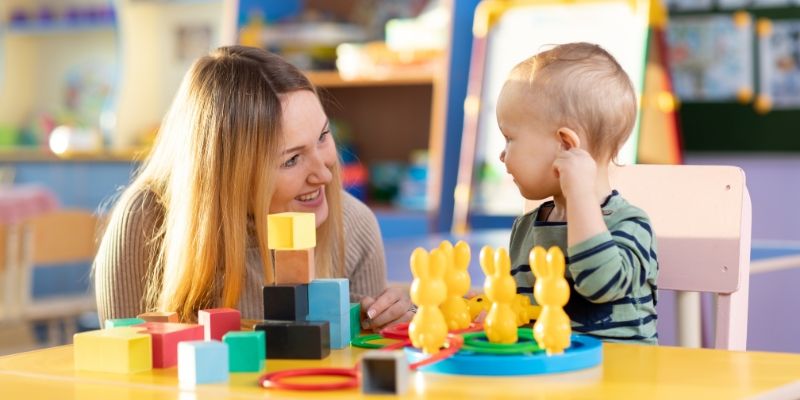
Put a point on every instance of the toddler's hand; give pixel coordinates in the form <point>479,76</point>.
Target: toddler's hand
<point>577,172</point>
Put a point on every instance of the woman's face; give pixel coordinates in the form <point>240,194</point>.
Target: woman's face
<point>306,160</point>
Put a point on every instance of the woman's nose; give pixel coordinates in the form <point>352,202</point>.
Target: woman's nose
<point>320,171</point>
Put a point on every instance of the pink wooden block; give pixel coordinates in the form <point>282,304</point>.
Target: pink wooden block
<point>166,336</point>
<point>219,321</point>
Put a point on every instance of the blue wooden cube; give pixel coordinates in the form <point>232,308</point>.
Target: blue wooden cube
<point>246,350</point>
<point>202,361</point>
<point>329,300</point>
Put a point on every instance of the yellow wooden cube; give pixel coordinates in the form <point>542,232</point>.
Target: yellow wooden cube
<point>291,231</point>
<point>119,350</point>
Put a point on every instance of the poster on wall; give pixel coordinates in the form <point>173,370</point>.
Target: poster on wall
<point>711,57</point>
<point>779,64</point>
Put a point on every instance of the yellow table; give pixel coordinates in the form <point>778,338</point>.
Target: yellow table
<point>628,371</point>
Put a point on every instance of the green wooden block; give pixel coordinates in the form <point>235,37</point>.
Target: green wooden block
<point>246,350</point>
<point>116,323</point>
<point>355,320</point>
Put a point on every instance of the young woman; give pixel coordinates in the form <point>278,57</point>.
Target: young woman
<point>245,137</point>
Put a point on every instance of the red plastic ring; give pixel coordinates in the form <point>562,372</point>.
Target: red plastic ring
<point>275,380</point>
<point>454,343</point>
<point>398,331</point>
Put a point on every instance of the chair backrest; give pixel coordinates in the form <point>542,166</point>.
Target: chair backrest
<point>702,219</point>
<point>62,236</point>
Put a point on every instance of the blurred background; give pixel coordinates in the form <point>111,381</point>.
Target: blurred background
<point>410,87</point>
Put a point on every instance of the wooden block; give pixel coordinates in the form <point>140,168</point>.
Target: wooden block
<point>166,337</point>
<point>116,323</point>
<point>169,316</point>
<point>355,320</point>
<point>329,300</point>
<point>246,350</point>
<point>219,321</point>
<point>286,302</point>
<point>296,339</point>
<point>294,266</point>
<point>291,231</point>
<point>202,361</point>
<point>384,372</point>
<point>119,350</point>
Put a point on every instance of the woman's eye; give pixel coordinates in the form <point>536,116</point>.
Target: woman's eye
<point>290,162</point>
<point>324,135</point>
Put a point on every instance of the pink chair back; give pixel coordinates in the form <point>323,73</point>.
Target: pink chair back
<point>702,219</point>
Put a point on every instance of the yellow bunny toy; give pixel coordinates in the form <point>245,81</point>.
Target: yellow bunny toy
<point>552,329</point>
<point>501,321</point>
<point>428,329</point>
<point>455,309</point>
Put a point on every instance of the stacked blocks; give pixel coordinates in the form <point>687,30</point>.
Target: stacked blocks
<point>291,231</point>
<point>293,237</point>
<point>296,339</point>
<point>286,302</point>
<point>246,350</point>
<point>355,319</point>
<point>294,266</point>
<point>117,323</point>
<point>119,350</point>
<point>218,321</point>
<point>329,300</point>
<point>170,316</point>
<point>202,361</point>
<point>166,338</point>
<point>384,372</point>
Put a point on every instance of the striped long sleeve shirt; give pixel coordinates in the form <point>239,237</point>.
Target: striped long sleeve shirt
<point>612,276</point>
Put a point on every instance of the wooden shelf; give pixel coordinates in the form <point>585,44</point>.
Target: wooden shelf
<point>332,79</point>
<point>34,154</point>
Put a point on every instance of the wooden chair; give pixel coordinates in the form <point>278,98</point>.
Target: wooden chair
<point>54,239</point>
<point>702,219</point>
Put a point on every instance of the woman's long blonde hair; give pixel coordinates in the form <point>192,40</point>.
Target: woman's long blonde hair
<point>212,169</point>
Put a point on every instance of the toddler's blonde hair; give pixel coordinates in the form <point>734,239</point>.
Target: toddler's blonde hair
<point>584,88</point>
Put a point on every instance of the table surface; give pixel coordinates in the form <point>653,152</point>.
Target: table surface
<point>627,371</point>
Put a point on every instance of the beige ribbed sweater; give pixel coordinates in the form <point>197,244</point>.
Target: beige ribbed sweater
<point>121,265</point>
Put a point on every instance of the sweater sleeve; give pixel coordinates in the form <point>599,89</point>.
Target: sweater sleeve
<point>610,265</point>
<point>364,254</point>
<point>121,266</point>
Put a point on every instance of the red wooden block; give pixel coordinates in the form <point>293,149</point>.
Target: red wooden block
<point>294,266</point>
<point>170,316</point>
<point>219,321</point>
<point>166,336</point>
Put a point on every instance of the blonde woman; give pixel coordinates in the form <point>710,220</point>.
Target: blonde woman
<point>245,137</point>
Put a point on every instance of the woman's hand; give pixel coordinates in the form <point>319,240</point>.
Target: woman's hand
<point>390,307</point>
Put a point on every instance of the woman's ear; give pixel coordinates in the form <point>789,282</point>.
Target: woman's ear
<point>569,139</point>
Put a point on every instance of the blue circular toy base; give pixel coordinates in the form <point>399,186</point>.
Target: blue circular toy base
<point>584,352</point>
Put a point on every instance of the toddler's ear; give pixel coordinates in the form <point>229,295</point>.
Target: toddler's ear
<point>569,139</point>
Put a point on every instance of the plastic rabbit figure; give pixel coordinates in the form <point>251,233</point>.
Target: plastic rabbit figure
<point>455,309</point>
<point>501,321</point>
<point>552,329</point>
<point>428,329</point>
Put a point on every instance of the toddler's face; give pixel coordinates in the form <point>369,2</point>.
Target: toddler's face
<point>531,141</point>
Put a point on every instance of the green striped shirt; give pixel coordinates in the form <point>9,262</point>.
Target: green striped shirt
<point>612,276</point>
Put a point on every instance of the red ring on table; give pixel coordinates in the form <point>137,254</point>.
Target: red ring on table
<point>473,327</point>
<point>274,380</point>
<point>454,343</point>
<point>398,331</point>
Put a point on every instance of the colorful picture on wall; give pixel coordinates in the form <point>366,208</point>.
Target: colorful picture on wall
<point>711,57</point>
<point>780,64</point>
